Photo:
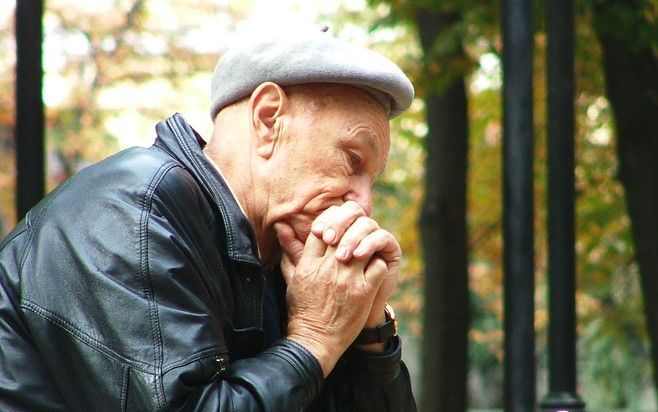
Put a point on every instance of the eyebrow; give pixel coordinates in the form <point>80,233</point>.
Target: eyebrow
<point>371,140</point>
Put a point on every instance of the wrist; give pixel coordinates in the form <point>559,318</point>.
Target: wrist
<point>323,353</point>
<point>377,331</point>
<point>377,317</point>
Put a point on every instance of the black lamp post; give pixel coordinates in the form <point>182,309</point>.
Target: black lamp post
<point>518,233</point>
<point>561,209</point>
<point>30,185</point>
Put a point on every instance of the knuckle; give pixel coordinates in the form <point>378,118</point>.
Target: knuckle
<point>348,242</point>
<point>367,222</point>
<point>380,264</point>
<point>388,236</point>
<point>384,235</point>
<point>326,214</point>
<point>354,208</point>
<point>380,239</point>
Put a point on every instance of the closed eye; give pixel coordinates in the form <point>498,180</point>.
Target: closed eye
<point>355,160</point>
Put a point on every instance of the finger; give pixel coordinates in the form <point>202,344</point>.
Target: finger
<point>333,222</point>
<point>348,273</point>
<point>375,272</point>
<point>290,245</point>
<point>314,247</point>
<point>362,227</point>
<point>287,268</point>
<point>380,242</point>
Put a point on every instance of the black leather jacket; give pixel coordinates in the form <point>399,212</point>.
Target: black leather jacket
<point>135,286</point>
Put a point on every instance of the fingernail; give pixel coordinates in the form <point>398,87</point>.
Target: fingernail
<point>341,253</point>
<point>329,235</point>
<point>318,227</point>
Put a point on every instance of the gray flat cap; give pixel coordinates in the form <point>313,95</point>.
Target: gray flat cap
<point>315,57</point>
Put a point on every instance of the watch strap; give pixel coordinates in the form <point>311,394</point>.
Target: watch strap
<point>381,333</point>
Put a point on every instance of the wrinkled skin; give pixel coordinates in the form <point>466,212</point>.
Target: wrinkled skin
<point>311,166</point>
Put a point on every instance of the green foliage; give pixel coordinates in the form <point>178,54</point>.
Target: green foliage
<point>619,351</point>
<point>614,358</point>
<point>463,25</point>
<point>397,198</point>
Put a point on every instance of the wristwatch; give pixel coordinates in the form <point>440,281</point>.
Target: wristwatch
<point>381,333</point>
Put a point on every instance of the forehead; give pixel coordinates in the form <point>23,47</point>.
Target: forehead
<point>366,119</point>
<point>314,97</point>
<point>347,108</point>
<point>371,136</point>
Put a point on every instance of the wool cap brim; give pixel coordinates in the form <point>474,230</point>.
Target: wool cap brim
<point>315,57</point>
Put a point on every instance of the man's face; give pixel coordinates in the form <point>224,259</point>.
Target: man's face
<point>328,154</point>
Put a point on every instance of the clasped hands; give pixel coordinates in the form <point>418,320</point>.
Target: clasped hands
<point>338,281</point>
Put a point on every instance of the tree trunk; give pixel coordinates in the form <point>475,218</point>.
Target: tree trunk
<point>444,237</point>
<point>631,74</point>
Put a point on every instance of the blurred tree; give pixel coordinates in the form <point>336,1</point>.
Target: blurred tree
<point>628,33</point>
<point>107,61</point>
<point>120,44</point>
<point>443,217</point>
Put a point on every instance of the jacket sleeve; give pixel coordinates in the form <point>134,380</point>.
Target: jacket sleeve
<point>282,378</point>
<point>367,382</point>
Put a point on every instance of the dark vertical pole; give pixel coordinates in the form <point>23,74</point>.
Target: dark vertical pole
<point>518,36</point>
<point>29,133</point>
<point>443,227</point>
<point>561,208</point>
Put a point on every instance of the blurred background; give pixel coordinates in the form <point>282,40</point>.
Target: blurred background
<point>113,68</point>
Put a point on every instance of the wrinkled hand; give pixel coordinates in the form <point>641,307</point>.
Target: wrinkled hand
<point>358,236</point>
<point>339,280</point>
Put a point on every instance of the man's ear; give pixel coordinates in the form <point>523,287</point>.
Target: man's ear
<point>266,104</point>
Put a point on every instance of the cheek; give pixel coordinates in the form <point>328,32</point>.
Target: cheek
<point>310,187</point>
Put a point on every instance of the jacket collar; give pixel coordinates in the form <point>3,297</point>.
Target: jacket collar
<point>185,145</point>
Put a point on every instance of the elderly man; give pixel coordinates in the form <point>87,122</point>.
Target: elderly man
<point>241,275</point>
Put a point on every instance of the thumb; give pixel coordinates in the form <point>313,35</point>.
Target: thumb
<point>287,268</point>
<point>290,245</point>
